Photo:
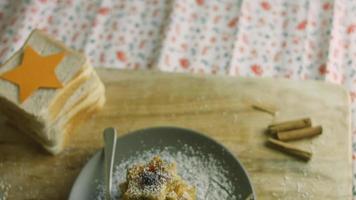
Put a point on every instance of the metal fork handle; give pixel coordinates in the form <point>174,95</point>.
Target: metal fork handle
<point>109,154</point>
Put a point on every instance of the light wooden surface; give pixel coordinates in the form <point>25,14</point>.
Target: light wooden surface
<point>218,106</point>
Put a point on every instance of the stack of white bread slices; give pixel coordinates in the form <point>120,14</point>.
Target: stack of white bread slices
<point>49,114</point>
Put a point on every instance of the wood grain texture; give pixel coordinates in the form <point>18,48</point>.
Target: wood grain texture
<point>218,106</point>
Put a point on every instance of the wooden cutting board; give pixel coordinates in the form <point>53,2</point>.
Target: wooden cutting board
<point>219,106</point>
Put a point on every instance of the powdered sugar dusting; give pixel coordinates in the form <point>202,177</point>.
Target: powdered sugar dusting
<point>4,189</point>
<point>203,171</point>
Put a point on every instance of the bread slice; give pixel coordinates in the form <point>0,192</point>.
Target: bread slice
<point>157,180</point>
<point>45,114</point>
<point>92,98</point>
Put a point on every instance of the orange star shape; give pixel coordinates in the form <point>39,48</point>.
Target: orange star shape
<point>34,72</point>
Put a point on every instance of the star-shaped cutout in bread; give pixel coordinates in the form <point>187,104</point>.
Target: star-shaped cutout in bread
<point>34,72</point>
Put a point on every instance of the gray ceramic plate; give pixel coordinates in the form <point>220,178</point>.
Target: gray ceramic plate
<point>86,184</point>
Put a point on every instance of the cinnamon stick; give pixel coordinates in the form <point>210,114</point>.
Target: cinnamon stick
<point>289,125</point>
<point>265,108</point>
<point>289,149</point>
<point>299,133</point>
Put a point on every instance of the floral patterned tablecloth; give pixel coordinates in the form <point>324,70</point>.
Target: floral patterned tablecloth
<point>304,39</point>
